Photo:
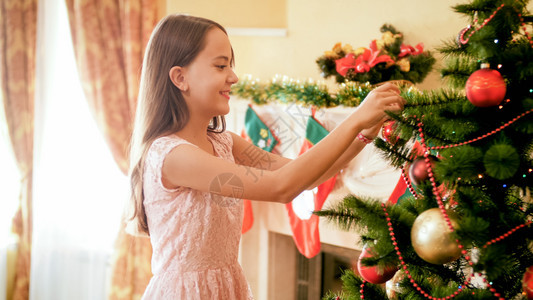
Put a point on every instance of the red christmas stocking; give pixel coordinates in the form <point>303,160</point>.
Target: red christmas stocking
<point>303,222</point>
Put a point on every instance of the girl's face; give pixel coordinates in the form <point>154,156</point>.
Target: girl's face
<point>209,77</point>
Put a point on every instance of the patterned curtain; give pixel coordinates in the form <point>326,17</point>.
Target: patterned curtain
<point>18,23</point>
<point>109,39</point>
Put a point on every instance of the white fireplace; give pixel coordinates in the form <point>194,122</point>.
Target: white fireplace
<point>277,271</point>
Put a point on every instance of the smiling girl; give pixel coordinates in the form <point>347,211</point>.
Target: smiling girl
<point>188,175</point>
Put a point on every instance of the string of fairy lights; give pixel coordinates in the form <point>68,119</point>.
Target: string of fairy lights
<point>285,90</point>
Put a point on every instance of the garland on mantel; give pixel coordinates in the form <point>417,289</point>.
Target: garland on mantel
<point>282,89</point>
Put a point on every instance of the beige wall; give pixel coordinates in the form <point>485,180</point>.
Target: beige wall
<point>313,26</point>
<point>235,13</point>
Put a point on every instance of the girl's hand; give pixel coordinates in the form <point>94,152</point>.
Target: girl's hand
<point>371,112</point>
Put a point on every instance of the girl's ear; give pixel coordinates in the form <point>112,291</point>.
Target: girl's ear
<point>177,76</point>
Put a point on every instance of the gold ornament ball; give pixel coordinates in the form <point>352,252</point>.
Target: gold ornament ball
<point>431,238</point>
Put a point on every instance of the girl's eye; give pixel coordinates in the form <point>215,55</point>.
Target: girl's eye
<point>221,67</point>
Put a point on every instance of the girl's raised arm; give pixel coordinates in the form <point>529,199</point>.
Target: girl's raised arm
<point>247,154</point>
<point>192,167</point>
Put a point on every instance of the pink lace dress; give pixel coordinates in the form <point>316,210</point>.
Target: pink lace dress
<point>195,235</point>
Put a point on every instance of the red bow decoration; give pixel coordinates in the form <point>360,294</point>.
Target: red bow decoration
<point>406,50</point>
<point>345,63</point>
<point>364,62</point>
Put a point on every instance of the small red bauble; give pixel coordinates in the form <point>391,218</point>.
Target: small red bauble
<point>485,87</point>
<point>418,171</point>
<point>527,283</point>
<point>388,130</point>
<point>371,273</point>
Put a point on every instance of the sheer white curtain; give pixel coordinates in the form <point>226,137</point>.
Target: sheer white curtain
<point>9,189</point>
<point>79,191</point>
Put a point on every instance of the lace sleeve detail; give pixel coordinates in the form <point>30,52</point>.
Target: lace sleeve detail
<point>156,156</point>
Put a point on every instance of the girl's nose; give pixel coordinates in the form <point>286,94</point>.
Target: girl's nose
<point>232,78</point>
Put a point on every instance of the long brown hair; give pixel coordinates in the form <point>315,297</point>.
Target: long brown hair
<point>161,108</point>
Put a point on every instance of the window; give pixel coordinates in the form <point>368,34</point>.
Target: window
<point>79,192</point>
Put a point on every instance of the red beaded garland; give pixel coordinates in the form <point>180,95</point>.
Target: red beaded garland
<point>507,234</point>
<point>523,24</point>
<point>408,183</point>
<point>483,136</point>
<point>433,183</point>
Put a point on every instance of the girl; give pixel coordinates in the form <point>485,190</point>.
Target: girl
<point>188,175</point>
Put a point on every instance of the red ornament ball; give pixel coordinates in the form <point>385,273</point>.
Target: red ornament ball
<point>371,273</point>
<point>418,171</point>
<point>485,88</point>
<point>387,132</point>
<point>527,283</point>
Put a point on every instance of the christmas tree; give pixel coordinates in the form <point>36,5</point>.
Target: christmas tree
<point>463,228</point>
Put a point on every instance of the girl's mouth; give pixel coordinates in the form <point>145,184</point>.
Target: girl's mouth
<point>225,94</point>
